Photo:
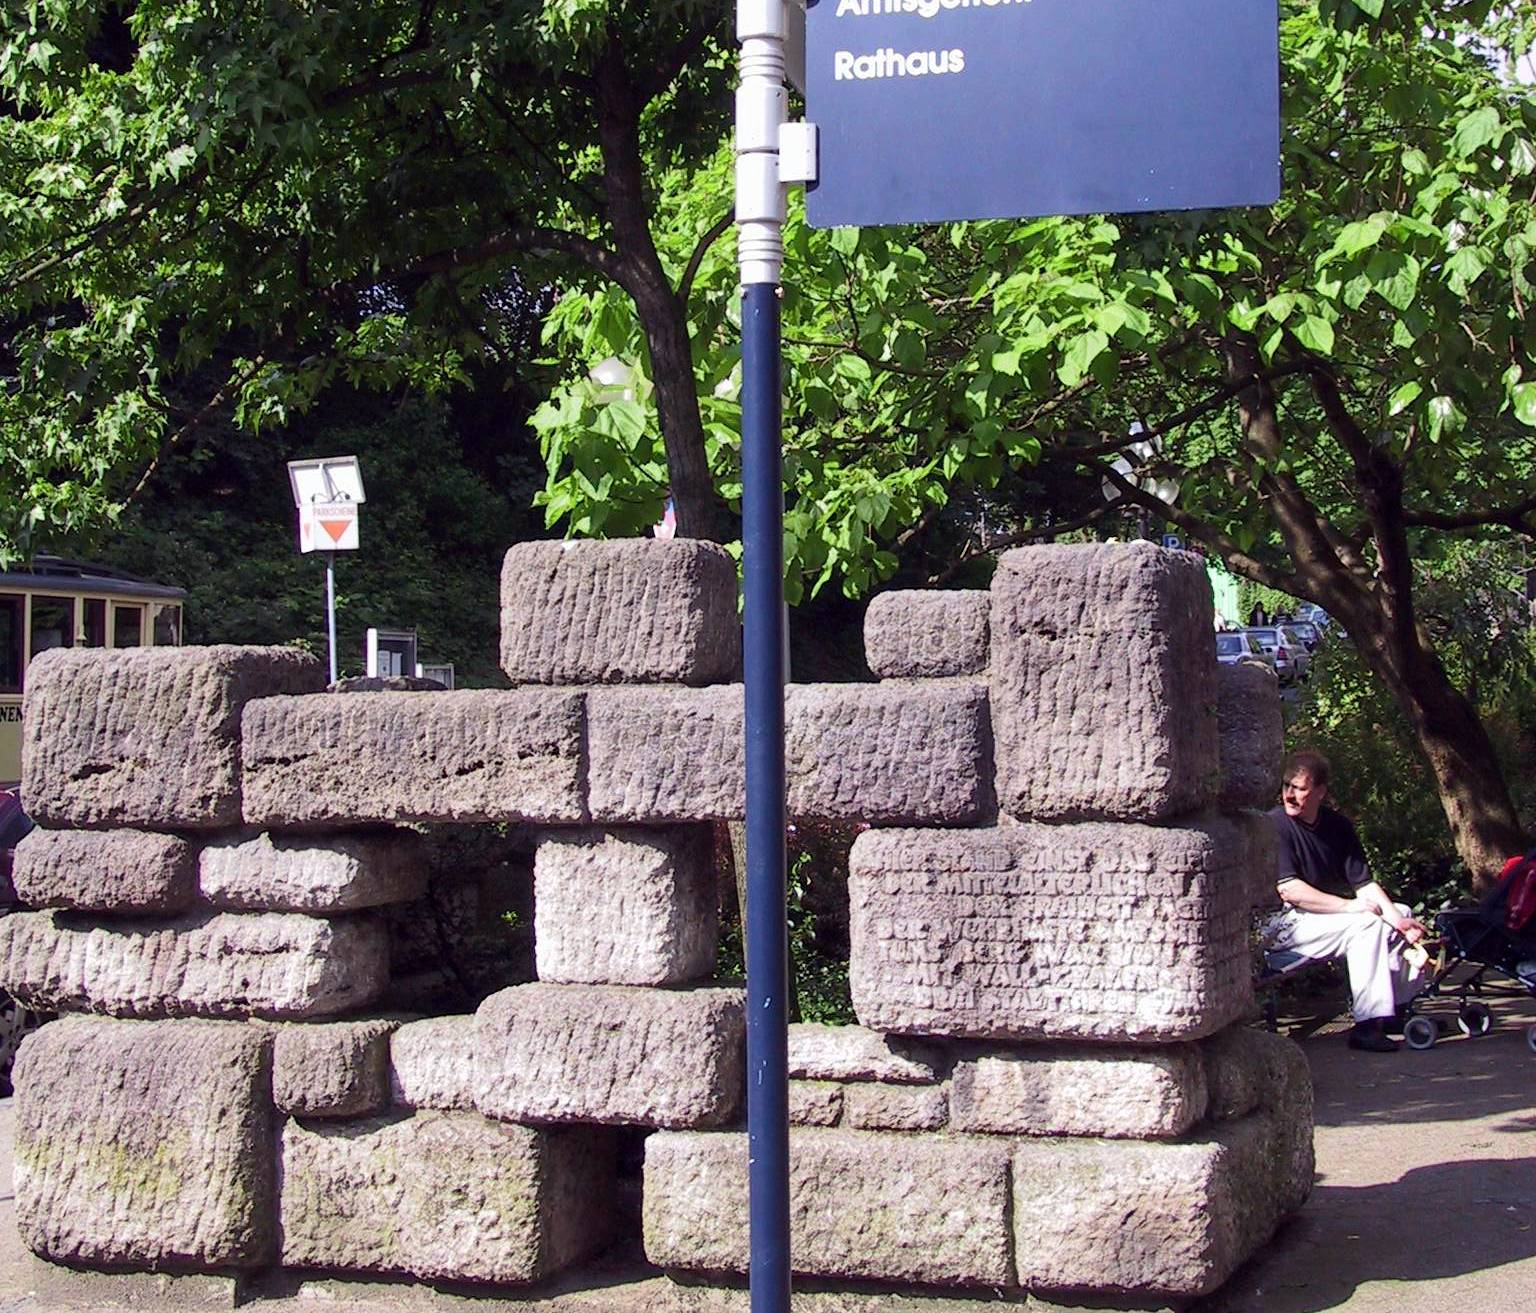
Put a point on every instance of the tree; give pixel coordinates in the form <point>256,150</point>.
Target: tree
<point>1341,383</point>
<point>324,191</point>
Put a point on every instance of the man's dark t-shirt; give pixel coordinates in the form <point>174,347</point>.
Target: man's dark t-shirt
<point>1327,854</point>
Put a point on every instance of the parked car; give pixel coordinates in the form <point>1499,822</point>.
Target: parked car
<point>1310,635</point>
<point>1236,645</point>
<point>1284,650</point>
<point>1313,614</point>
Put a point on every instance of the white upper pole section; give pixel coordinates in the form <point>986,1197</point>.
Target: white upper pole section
<point>762,106</point>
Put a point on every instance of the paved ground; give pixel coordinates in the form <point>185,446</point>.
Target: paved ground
<point>1425,1202</point>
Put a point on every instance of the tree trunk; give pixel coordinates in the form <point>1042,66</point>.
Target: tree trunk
<point>1376,606</point>
<point>1473,794</point>
<point>663,317</point>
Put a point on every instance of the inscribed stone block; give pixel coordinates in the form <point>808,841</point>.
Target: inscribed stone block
<point>1095,931</point>
<point>444,1196</point>
<point>630,611</point>
<point>628,907</point>
<point>851,1053</point>
<point>334,873</point>
<point>358,758</point>
<point>815,1103</point>
<point>880,753</point>
<point>146,736</point>
<point>873,1107</point>
<point>432,1063</point>
<point>105,870</point>
<point>1103,683</point>
<point>883,1207</point>
<point>145,1144</point>
<point>227,964</point>
<point>1251,735</point>
<point>610,1054</point>
<point>334,1069</point>
<point>1172,1220</point>
<point>926,633</point>
<point>1076,1089</point>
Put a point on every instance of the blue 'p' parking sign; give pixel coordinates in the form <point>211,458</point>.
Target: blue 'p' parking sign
<point>931,110</point>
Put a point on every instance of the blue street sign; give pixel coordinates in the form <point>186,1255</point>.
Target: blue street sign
<point>1173,541</point>
<point>932,110</point>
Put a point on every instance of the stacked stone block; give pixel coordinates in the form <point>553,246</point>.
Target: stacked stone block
<point>1048,1091</point>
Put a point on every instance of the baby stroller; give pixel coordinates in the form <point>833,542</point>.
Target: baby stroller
<point>1498,936</point>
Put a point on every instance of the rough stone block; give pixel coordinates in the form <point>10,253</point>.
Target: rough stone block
<point>1251,735</point>
<point>870,1107</point>
<point>1075,1089</point>
<point>610,1054</point>
<point>268,964</point>
<point>815,1103</point>
<point>883,1207</point>
<point>145,1144</point>
<point>851,1053</point>
<point>337,873</point>
<point>336,1069</point>
<point>1095,931</point>
<point>1103,683</point>
<point>923,633</point>
<point>357,758</point>
<point>918,753</point>
<point>1250,1069</point>
<point>634,611</point>
<point>432,1063</point>
<point>444,1196</point>
<point>633,907</point>
<point>105,870</point>
<point>146,736</point>
<point>1171,1220</point>
<point>881,753</point>
<point>665,754</point>
<point>1261,862</point>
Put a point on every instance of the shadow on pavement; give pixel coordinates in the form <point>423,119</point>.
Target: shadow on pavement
<point>1394,1232</point>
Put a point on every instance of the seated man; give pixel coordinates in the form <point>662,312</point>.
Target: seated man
<point>1333,909</point>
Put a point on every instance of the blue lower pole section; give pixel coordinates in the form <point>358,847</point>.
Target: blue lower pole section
<point>763,653</point>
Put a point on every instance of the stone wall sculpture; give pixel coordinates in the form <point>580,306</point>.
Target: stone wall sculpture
<point>1051,1090</point>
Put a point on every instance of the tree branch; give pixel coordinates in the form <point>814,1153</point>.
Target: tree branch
<point>715,231</point>
<point>228,390</point>
<point>1040,533</point>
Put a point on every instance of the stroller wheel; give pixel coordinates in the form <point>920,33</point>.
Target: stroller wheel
<point>1530,1038</point>
<point>1421,1033</point>
<point>1474,1019</point>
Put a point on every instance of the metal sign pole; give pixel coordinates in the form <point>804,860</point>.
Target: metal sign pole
<point>330,608</point>
<point>761,108</point>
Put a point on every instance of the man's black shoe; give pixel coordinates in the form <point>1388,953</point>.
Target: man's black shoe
<point>1394,1024</point>
<point>1371,1038</point>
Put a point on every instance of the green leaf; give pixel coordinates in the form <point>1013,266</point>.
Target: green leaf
<point>1358,236</point>
<point>1080,355</point>
<point>1316,334</point>
<point>1464,268</point>
<point>1404,397</point>
<point>845,241</point>
<point>1523,399</point>
<point>1395,277</point>
<point>1480,128</point>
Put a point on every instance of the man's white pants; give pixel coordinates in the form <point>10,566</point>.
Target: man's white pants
<point>1379,979</point>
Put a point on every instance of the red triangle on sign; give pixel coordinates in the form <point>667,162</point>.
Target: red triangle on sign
<point>335,528</point>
